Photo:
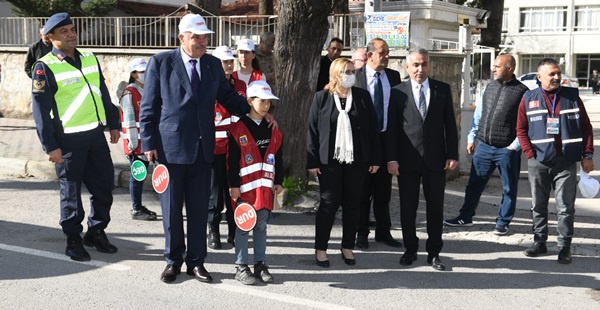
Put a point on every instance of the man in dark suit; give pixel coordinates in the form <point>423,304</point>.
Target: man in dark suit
<point>177,129</point>
<point>336,45</point>
<point>422,143</point>
<point>378,80</point>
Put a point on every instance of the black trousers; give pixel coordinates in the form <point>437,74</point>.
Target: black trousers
<point>219,195</point>
<point>340,185</point>
<point>377,190</point>
<point>434,184</point>
<point>86,160</point>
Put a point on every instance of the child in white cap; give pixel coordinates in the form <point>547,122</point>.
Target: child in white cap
<point>130,119</point>
<point>255,174</point>
<point>249,68</point>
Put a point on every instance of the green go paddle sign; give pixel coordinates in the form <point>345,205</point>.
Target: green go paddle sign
<point>138,170</point>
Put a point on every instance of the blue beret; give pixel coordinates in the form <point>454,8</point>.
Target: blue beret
<point>57,20</point>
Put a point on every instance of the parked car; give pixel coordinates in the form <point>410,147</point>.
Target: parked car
<point>530,80</point>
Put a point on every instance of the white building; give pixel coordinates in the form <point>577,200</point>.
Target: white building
<point>567,30</point>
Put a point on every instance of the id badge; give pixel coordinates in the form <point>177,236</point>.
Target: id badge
<point>553,126</point>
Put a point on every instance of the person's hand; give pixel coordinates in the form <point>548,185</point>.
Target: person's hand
<point>151,155</point>
<point>132,145</point>
<point>373,169</point>
<point>271,120</point>
<point>235,193</point>
<point>587,165</point>
<point>451,164</point>
<point>510,148</point>
<point>278,189</point>
<point>55,156</point>
<point>314,172</point>
<point>114,136</point>
<point>392,168</point>
<point>470,148</point>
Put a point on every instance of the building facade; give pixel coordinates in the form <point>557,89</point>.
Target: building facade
<point>567,30</point>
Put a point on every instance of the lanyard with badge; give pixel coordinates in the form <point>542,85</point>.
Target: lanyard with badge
<point>553,123</point>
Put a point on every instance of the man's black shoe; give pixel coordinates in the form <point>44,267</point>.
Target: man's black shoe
<point>200,273</point>
<point>170,273</point>
<point>536,249</point>
<point>408,258</point>
<point>97,238</point>
<point>143,214</point>
<point>231,240</point>
<point>389,240</point>
<point>75,249</point>
<point>362,241</point>
<point>564,255</point>
<point>214,237</point>
<point>436,262</point>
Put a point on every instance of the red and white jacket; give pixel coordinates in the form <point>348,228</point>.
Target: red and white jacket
<point>240,86</point>
<point>136,98</point>
<point>223,120</point>
<point>257,174</point>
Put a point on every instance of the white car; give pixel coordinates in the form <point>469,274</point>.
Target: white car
<point>530,80</point>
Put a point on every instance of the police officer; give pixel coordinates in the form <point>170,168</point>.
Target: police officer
<point>71,107</point>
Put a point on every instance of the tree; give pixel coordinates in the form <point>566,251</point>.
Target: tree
<point>301,31</point>
<point>265,7</point>
<point>42,8</point>
<point>213,7</point>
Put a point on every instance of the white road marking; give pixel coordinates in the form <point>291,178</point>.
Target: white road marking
<point>52,255</point>
<point>279,297</point>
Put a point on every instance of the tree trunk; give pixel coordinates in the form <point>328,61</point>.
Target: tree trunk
<point>301,31</point>
<point>212,6</point>
<point>492,35</point>
<point>265,7</point>
<point>341,27</point>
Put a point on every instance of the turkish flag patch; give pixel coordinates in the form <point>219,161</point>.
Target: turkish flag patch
<point>534,104</point>
<point>39,72</point>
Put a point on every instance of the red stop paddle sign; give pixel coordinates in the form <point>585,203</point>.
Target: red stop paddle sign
<point>245,216</point>
<point>160,179</point>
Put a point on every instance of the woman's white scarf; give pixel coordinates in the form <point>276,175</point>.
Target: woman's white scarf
<point>344,150</point>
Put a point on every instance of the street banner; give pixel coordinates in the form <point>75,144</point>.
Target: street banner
<point>390,26</point>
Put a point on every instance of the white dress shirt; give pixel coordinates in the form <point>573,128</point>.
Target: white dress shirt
<point>416,89</point>
<point>186,63</point>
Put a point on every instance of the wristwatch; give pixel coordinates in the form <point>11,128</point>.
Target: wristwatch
<point>588,155</point>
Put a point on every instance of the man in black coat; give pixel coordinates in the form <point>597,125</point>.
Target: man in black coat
<point>377,187</point>
<point>333,52</point>
<point>422,143</point>
<point>36,51</point>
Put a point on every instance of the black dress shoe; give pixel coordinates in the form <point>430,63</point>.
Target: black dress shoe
<point>389,240</point>
<point>436,263</point>
<point>214,237</point>
<point>408,258</point>
<point>231,240</point>
<point>97,238</point>
<point>321,263</point>
<point>536,249</point>
<point>75,249</point>
<point>200,273</point>
<point>170,273</point>
<point>348,261</point>
<point>564,256</point>
<point>362,241</point>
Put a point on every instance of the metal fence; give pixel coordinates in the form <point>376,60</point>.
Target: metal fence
<point>161,32</point>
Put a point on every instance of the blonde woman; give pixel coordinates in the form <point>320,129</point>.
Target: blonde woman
<point>340,155</point>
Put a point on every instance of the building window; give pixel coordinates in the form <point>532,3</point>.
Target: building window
<point>587,18</point>
<point>544,19</point>
<point>505,20</point>
<point>529,62</point>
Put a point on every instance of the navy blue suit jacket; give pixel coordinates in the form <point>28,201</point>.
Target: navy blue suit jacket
<point>172,119</point>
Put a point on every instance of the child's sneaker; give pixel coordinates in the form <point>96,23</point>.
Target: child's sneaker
<point>261,272</point>
<point>244,275</point>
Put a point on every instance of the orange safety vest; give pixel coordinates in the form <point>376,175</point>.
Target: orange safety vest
<point>256,173</point>
<point>136,98</point>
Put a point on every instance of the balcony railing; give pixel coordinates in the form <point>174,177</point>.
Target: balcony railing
<point>161,32</point>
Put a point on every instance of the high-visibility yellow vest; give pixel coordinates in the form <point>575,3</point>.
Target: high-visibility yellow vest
<point>78,97</point>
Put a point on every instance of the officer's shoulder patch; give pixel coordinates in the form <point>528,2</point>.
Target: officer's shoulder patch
<point>38,86</point>
<point>40,72</point>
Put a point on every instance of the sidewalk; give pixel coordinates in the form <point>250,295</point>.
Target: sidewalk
<point>21,155</point>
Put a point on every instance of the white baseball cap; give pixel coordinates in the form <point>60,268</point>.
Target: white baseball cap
<point>223,52</point>
<point>193,23</point>
<point>588,186</point>
<point>260,89</point>
<point>137,64</point>
<point>246,45</point>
